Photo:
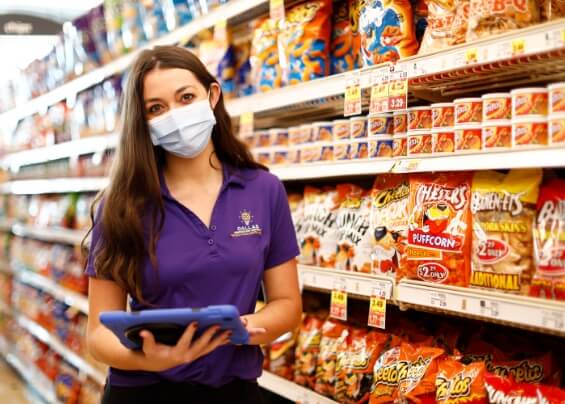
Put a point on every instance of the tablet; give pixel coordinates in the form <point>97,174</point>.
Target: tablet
<point>168,325</point>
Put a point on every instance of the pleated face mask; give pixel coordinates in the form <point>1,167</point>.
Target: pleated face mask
<point>184,131</point>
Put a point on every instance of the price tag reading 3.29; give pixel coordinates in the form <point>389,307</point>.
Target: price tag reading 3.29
<point>398,91</point>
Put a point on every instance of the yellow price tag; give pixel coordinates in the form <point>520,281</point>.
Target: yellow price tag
<point>471,56</point>
<point>352,97</point>
<point>246,123</point>
<point>221,31</point>
<point>518,47</point>
<point>405,166</point>
<point>276,8</point>
<point>377,312</point>
<point>352,93</point>
<point>338,305</point>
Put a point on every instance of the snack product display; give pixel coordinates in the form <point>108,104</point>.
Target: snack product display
<point>345,50</point>
<point>358,127</point>
<point>556,98</point>
<point>281,354</point>
<point>529,132</point>
<point>497,106</point>
<point>503,208</point>
<point>399,145</point>
<point>443,140</point>
<point>380,124</point>
<point>359,150</point>
<point>419,118</point>
<point>334,335</point>
<point>468,111</point>
<point>459,383</point>
<point>341,129</point>
<point>266,70</point>
<point>400,122</point>
<point>322,132</point>
<point>529,102</point>
<point>307,350</point>
<point>381,147</point>
<point>497,135</point>
<point>419,142</point>
<point>556,127</point>
<point>442,115</point>
<point>418,383</point>
<point>468,138</point>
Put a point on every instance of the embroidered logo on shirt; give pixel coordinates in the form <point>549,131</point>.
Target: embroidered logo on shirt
<point>248,228</point>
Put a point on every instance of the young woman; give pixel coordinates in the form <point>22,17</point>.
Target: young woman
<point>188,220</point>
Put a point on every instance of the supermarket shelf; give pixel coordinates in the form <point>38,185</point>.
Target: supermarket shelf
<point>354,283</point>
<point>69,149</point>
<point>43,335</point>
<point>52,234</point>
<point>332,169</point>
<point>291,391</point>
<point>225,12</point>
<point>53,186</point>
<point>61,293</point>
<point>525,312</point>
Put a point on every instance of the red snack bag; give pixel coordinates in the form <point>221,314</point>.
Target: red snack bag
<point>549,242</point>
<point>538,369</point>
<point>439,233</point>
<point>502,390</point>
<point>334,334</point>
<point>307,350</point>
<point>458,383</point>
<point>418,384</point>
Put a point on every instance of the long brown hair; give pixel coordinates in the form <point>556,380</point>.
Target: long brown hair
<point>132,202</point>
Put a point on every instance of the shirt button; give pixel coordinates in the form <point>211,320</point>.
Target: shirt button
<point>210,242</point>
<point>213,227</point>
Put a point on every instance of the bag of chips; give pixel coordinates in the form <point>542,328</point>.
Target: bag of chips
<point>447,24</point>
<point>345,56</point>
<point>306,40</point>
<point>386,375</point>
<point>439,234</point>
<point>549,242</point>
<point>266,71</point>
<point>552,9</point>
<point>281,355</point>
<point>418,383</point>
<point>389,223</point>
<point>296,203</point>
<point>334,335</point>
<point>532,369</point>
<point>353,230</point>
<point>458,383</point>
<point>307,350</point>
<point>503,390</point>
<point>503,208</point>
<point>421,16</point>
<point>387,31</point>
<point>487,17</point>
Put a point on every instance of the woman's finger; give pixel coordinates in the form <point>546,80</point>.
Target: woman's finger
<point>204,340</point>
<point>148,341</point>
<point>257,331</point>
<point>186,339</point>
<point>220,340</point>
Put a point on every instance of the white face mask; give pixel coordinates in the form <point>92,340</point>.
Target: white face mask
<point>184,131</point>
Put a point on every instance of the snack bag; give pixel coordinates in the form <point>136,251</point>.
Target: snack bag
<point>244,81</point>
<point>353,231</point>
<point>503,208</point>
<point>389,223</point>
<point>439,233</point>
<point>307,350</point>
<point>334,335</point>
<point>386,375</point>
<point>345,56</point>
<point>503,390</point>
<point>281,356</point>
<point>532,369</point>
<point>219,57</point>
<point>549,242</point>
<point>266,71</point>
<point>355,365</point>
<point>306,40</point>
<point>552,9</point>
<point>459,383</point>
<point>447,24</point>
<point>387,31</point>
<point>420,18</point>
<point>418,382</point>
<point>296,203</point>
<point>488,18</point>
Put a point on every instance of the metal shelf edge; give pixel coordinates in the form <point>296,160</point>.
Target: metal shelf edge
<point>290,390</point>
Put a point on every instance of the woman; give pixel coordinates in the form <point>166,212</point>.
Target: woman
<point>188,220</point>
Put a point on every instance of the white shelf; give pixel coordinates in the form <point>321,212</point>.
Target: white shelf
<point>532,313</point>
<point>61,293</point>
<point>69,149</point>
<point>232,9</point>
<point>291,391</point>
<point>51,234</point>
<point>352,282</point>
<point>54,186</point>
<point>43,335</point>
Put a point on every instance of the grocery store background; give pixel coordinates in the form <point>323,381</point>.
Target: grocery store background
<point>422,145</point>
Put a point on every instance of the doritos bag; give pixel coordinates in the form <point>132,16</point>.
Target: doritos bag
<point>345,53</point>
<point>418,384</point>
<point>503,208</point>
<point>389,223</point>
<point>458,383</point>
<point>334,334</point>
<point>387,31</point>
<point>439,234</point>
<point>266,71</point>
<point>549,242</point>
<point>306,40</point>
<point>353,231</point>
<point>307,350</point>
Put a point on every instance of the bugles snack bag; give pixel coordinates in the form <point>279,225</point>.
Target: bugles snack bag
<point>387,31</point>
<point>345,51</point>
<point>266,71</point>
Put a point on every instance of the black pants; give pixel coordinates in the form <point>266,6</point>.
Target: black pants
<point>236,392</point>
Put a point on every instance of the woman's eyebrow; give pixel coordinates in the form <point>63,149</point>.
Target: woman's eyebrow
<point>183,88</point>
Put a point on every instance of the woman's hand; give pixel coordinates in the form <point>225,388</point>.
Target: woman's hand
<point>163,357</point>
<point>253,331</point>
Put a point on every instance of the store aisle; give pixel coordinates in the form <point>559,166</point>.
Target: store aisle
<point>12,388</point>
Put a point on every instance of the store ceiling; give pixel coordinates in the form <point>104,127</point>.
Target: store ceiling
<point>58,10</point>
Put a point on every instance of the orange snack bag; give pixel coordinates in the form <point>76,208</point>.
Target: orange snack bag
<point>447,24</point>
<point>345,50</point>
<point>458,383</point>
<point>439,233</point>
<point>386,375</point>
<point>535,369</point>
<point>334,335</point>
<point>307,350</point>
<point>418,383</point>
<point>266,69</point>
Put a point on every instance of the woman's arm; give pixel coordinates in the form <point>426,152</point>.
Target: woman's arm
<point>283,310</point>
<point>104,346</point>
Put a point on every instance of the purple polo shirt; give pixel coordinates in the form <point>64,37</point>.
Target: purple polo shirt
<point>250,231</point>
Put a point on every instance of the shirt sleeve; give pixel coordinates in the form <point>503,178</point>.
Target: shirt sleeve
<point>95,237</point>
<point>283,245</point>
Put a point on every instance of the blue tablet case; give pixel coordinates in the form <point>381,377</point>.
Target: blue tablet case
<point>226,316</point>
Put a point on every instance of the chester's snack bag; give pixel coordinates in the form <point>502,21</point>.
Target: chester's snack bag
<point>439,233</point>
<point>353,230</point>
<point>307,350</point>
<point>389,223</point>
<point>549,242</point>
<point>418,382</point>
<point>281,354</point>
<point>387,31</point>
<point>334,335</point>
<point>488,17</point>
<point>356,363</point>
<point>266,69</point>
<point>386,375</point>
<point>503,390</point>
<point>306,40</point>
<point>345,52</point>
<point>447,24</point>
<point>458,383</point>
<point>503,209</point>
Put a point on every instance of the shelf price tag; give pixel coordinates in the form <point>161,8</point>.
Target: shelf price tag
<point>518,46</point>
<point>379,91</point>
<point>405,166</point>
<point>338,302</point>
<point>377,309</point>
<point>553,319</point>
<point>471,56</point>
<point>352,103</point>
<point>276,8</point>
<point>438,299</point>
<point>489,308</point>
<point>221,31</point>
<point>398,91</point>
<point>246,124</point>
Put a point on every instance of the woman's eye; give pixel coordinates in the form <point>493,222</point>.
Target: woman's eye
<point>187,97</point>
<point>154,109</point>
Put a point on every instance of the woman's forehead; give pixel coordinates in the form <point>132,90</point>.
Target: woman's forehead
<point>168,81</point>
